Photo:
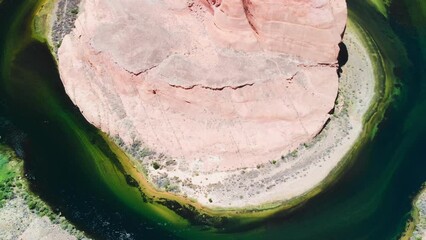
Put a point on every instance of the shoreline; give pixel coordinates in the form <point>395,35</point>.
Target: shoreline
<point>416,226</point>
<point>277,205</point>
<point>24,215</point>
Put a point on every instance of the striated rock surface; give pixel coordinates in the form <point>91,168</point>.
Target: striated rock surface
<point>212,85</point>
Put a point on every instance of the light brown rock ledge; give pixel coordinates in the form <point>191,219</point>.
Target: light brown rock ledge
<point>215,98</point>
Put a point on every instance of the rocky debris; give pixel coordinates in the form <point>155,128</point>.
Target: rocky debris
<point>24,215</point>
<point>65,16</point>
<point>420,205</point>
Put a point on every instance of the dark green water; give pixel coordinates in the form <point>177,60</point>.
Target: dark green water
<point>71,167</point>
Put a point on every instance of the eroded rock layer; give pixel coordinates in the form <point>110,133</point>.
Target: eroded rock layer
<point>214,85</point>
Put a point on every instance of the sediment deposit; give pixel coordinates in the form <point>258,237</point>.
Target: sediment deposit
<point>420,216</point>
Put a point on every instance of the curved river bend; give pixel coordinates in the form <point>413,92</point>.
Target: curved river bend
<point>72,168</point>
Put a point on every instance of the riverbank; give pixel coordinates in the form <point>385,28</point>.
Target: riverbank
<point>370,201</point>
<point>327,215</point>
<point>22,214</point>
<point>416,227</point>
<point>298,175</point>
<point>54,18</point>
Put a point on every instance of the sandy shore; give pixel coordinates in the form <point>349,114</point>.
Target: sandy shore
<point>24,215</point>
<point>18,222</point>
<point>420,205</point>
<point>416,227</point>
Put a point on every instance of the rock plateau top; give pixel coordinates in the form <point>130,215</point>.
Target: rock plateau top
<point>214,85</point>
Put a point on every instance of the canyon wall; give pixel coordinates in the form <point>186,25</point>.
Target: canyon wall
<point>212,85</point>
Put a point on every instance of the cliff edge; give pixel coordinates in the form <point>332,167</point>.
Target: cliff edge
<point>205,86</point>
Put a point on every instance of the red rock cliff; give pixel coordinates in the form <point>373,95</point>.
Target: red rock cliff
<point>216,85</point>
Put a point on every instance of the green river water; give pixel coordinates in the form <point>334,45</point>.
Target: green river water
<point>72,168</point>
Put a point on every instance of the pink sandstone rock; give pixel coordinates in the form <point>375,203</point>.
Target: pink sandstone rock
<point>223,84</point>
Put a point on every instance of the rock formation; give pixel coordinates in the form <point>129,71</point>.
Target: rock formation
<point>213,84</point>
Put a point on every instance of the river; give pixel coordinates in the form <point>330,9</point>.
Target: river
<point>72,168</point>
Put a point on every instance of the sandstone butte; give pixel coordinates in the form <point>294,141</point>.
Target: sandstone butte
<point>220,85</point>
